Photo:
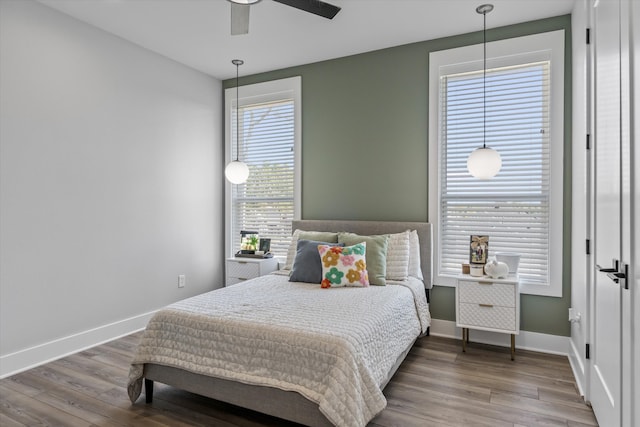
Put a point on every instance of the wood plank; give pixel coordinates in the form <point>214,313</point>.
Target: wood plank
<point>430,402</point>
<point>582,415</point>
<point>509,374</point>
<point>5,421</point>
<point>94,410</point>
<point>28,383</point>
<point>454,375</point>
<point>114,375</point>
<point>577,424</point>
<point>30,412</point>
<point>222,412</point>
<point>404,399</point>
<point>443,385</point>
<point>394,417</point>
<point>75,380</point>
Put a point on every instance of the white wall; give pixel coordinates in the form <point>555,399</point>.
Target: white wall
<point>579,231</point>
<point>110,186</point>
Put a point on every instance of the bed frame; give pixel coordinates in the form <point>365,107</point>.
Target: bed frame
<point>288,405</point>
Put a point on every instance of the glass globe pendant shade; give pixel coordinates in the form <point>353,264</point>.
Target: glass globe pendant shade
<point>484,163</point>
<point>237,172</point>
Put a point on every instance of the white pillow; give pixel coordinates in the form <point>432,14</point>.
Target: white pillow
<point>398,256</point>
<point>414,256</point>
<point>291,252</point>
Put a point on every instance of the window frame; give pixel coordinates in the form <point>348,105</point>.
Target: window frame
<point>271,91</point>
<point>502,53</point>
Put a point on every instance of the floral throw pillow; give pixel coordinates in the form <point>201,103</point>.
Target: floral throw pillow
<point>344,266</point>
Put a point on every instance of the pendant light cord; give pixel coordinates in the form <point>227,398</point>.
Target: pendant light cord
<point>238,110</point>
<point>484,83</point>
<point>484,9</point>
<point>237,63</point>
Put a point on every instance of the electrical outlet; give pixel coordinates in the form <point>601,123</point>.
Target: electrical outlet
<point>182,280</point>
<point>574,315</point>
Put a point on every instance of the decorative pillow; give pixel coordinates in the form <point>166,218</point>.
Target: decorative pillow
<point>415,269</point>
<point>344,266</point>
<point>320,236</point>
<point>307,266</point>
<point>376,254</point>
<point>398,256</point>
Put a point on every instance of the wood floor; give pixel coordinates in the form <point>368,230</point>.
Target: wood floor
<point>437,385</point>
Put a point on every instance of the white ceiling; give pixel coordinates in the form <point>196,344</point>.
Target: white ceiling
<point>197,32</point>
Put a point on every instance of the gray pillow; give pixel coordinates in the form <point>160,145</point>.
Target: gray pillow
<point>321,236</point>
<point>307,266</point>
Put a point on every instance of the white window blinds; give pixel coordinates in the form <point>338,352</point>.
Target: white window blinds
<point>266,202</point>
<point>512,208</point>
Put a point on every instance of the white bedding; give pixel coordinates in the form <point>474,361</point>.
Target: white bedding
<point>333,346</point>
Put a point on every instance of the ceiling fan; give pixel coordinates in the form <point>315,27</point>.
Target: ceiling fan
<point>240,11</point>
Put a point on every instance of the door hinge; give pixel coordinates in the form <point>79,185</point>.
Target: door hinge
<point>588,352</point>
<point>588,141</point>
<point>588,35</point>
<point>588,247</point>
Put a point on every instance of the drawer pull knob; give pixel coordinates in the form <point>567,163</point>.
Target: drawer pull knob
<point>242,278</point>
<point>241,262</point>
<point>486,305</point>
<point>485,283</point>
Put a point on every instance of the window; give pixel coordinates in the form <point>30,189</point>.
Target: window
<point>521,208</point>
<point>269,143</point>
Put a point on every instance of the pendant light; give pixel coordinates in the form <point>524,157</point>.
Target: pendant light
<point>484,162</point>
<point>236,171</point>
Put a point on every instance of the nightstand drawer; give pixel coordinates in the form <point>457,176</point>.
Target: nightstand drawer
<point>234,281</point>
<point>242,270</point>
<point>485,292</point>
<point>487,316</point>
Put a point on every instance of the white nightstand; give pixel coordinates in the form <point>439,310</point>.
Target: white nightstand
<point>240,269</point>
<point>489,305</point>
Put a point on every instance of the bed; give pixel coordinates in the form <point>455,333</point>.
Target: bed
<point>318,357</point>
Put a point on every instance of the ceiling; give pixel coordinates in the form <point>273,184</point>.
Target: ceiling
<point>197,32</point>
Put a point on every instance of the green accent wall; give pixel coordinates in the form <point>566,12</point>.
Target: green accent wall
<point>365,146</point>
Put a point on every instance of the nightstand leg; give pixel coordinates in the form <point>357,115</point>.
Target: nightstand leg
<point>513,346</point>
<point>465,335</point>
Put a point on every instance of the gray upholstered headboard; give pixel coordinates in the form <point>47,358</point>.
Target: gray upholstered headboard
<point>379,227</point>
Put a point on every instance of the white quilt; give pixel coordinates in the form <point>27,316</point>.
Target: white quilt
<point>333,346</point>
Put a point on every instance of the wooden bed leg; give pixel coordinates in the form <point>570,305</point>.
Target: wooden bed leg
<point>148,390</point>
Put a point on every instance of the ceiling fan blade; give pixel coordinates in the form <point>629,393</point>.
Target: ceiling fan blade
<point>239,19</point>
<point>316,7</point>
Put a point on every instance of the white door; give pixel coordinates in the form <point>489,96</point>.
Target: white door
<point>626,210</point>
<point>607,295</point>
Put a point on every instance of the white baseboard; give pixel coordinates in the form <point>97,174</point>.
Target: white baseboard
<point>578,367</point>
<point>544,343</point>
<point>22,360</point>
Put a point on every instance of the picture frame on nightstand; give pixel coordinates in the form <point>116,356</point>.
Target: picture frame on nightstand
<point>265,245</point>
<point>478,249</point>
